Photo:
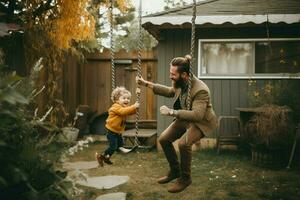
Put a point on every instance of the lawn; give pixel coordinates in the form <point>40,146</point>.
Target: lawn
<point>226,176</point>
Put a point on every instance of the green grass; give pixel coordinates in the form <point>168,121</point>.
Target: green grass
<point>225,176</point>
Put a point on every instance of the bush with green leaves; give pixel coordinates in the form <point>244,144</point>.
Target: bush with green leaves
<point>28,153</point>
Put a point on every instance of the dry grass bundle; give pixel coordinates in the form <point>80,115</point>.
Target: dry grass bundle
<point>271,126</point>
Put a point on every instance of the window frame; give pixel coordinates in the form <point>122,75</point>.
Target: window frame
<point>245,76</point>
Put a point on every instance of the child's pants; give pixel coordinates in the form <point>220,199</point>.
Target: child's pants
<point>115,141</point>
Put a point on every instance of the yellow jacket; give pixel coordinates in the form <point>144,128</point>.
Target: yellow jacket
<point>117,116</point>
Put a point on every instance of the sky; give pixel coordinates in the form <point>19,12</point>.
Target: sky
<point>151,6</point>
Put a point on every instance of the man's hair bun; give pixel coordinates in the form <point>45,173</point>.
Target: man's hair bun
<point>188,58</point>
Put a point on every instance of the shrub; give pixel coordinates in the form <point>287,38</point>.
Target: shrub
<point>276,92</point>
<point>27,156</point>
<point>271,127</point>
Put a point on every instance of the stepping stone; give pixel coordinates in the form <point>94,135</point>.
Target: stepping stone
<point>112,196</point>
<point>104,182</point>
<point>80,165</point>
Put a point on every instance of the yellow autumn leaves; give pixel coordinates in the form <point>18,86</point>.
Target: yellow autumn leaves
<point>75,22</point>
<point>266,94</point>
<point>266,89</point>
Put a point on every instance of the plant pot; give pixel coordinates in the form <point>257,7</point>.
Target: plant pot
<point>271,157</point>
<point>68,134</point>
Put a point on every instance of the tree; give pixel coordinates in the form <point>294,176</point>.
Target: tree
<point>171,3</point>
<point>130,40</point>
<point>53,28</point>
<point>63,21</point>
<point>122,14</point>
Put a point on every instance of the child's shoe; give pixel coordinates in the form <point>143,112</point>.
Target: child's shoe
<point>107,160</point>
<point>99,158</point>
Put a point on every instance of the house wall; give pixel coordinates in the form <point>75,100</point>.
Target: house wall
<point>227,94</point>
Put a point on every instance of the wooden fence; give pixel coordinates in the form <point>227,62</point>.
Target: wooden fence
<point>89,83</point>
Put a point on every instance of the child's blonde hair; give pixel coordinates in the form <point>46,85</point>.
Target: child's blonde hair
<point>117,92</point>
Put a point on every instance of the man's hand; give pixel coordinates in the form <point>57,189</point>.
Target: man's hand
<point>164,110</point>
<point>140,80</point>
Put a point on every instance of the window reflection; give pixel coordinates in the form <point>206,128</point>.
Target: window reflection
<point>227,58</point>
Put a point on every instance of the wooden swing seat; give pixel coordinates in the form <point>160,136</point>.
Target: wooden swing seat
<point>146,137</point>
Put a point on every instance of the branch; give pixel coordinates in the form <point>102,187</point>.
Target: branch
<point>9,10</point>
<point>43,7</point>
<point>11,7</point>
<point>47,113</point>
<point>3,8</point>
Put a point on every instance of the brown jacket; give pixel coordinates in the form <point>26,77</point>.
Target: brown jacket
<point>202,113</point>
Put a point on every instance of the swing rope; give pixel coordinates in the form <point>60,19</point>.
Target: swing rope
<point>112,48</point>
<point>139,74</point>
<point>192,55</point>
<point>268,34</point>
<point>112,58</point>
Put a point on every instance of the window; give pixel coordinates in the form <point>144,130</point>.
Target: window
<point>227,58</point>
<point>277,57</point>
<point>249,58</point>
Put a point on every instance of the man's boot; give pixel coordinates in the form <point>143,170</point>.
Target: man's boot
<point>181,183</point>
<point>185,162</point>
<point>171,156</point>
<point>172,174</point>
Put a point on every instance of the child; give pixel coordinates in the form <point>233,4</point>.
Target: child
<point>115,123</point>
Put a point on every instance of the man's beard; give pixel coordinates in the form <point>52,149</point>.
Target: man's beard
<point>178,83</point>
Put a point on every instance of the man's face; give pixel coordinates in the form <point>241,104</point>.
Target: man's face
<point>176,77</point>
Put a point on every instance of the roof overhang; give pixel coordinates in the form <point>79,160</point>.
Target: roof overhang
<point>221,19</point>
<point>217,13</point>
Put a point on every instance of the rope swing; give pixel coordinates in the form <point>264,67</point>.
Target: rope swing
<point>112,47</point>
<point>192,55</point>
<point>139,66</point>
<point>112,58</point>
<point>139,74</point>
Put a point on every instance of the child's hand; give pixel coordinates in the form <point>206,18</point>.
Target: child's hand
<point>137,104</point>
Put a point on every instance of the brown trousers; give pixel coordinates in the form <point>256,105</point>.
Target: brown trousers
<point>188,134</point>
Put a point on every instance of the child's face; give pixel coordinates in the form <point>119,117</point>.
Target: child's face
<point>124,100</point>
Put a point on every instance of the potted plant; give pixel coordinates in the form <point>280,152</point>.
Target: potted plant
<point>270,133</point>
<point>69,133</point>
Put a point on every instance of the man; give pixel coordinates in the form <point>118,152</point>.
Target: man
<point>188,125</point>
